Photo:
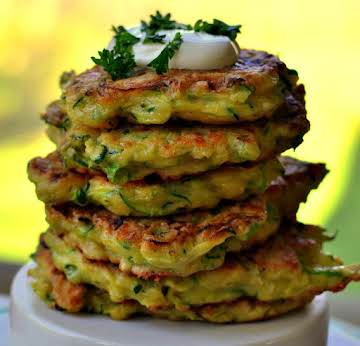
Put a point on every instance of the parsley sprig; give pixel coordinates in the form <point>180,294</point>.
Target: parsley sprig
<point>161,63</point>
<point>120,61</point>
<point>156,38</point>
<point>159,22</point>
<point>123,37</point>
<point>217,27</point>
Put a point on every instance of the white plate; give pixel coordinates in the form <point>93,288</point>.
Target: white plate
<point>33,324</point>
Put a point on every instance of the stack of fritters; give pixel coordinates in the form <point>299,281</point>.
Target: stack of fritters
<point>166,196</point>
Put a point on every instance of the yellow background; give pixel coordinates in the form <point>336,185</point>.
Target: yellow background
<point>41,38</point>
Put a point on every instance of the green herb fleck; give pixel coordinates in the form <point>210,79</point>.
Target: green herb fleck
<point>160,232</point>
<point>233,113</point>
<point>126,246</point>
<point>210,256</point>
<point>178,195</point>
<point>49,298</point>
<point>195,280</point>
<point>166,205</point>
<point>239,291</point>
<point>111,171</point>
<point>80,195</point>
<point>85,226</point>
<point>137,288</point>
<point>129,204</point>
<point>79,160</point>
<point>147,108</point>
<point>65,124</point>
<point>78,101</point>
<point>84,230</point>
<point>161,62</point>
<point>217,27</point>
<point>70,270</point>
<point>101,156</point>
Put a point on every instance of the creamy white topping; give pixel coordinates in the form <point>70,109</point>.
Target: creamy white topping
<point>199,50</point>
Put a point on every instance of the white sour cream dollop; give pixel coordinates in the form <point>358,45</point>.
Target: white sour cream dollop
<point>199,50</point>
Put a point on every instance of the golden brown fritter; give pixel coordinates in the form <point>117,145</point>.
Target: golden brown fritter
<point>184,244</point>
<point>98,301</point>
<point>255,87</point>
<point>289,266</point>
<point>56,185</point>
<point>171,151</point>
<point>53,287</point>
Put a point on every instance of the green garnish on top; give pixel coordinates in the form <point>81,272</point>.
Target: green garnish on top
<point>156,38</point>
<point>217,27</point>
<point>120,61</point>
<point>161,63</point>
<point>159,22</point>
<point>122,36</point>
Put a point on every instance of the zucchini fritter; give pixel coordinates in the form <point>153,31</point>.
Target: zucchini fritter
<point>54,289</point>
<point>133,152</point>
<point>56,185</point>
<point>251,89</point>
<point>184,244</point>
<point>52,286</point>
<point>289,265</point>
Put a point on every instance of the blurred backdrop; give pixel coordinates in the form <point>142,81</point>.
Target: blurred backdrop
<point>41,38</point>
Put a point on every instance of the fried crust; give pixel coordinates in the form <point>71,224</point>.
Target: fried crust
<point>253,88</point>
<point>251,66</point>
<point>133,152</point>
<point>65,294</point>
<point>56,185</point>
<point>97,301</point>
<point>290,265</point>
<point>177,245</point>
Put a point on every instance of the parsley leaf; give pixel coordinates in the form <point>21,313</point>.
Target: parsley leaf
<point>161,62</point>
<point>159,22</point>
<point>156,38</point>
<point>217,27</point>
<point>120,61</point>
<point>124,37</point>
